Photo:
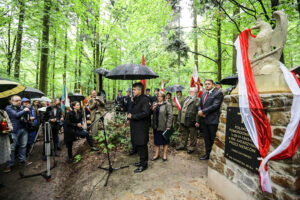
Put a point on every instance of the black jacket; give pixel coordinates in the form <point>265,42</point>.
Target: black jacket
<point>71,127</point>
<point>211,107</point>
<point>139,123</point>
<point>58,116</point>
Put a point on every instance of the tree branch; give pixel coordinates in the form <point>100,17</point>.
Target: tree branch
<point>236,25</point>
<point>215,38</point>
<point>245,9</point>
<point>200,54</point>
<point>264,9</point>
<point>241,6</point>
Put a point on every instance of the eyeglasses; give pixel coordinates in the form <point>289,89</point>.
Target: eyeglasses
<point>17,100</point>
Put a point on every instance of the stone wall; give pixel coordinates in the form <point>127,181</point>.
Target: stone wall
<point>285,174</point>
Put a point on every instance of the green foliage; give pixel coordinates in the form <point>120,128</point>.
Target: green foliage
<point>77,158</point>
<point>117,134</point>
<point>175,139</point>
<point>122,31</point>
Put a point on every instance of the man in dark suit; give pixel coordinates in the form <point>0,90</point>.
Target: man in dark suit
<point>148,95</point>
<point>209,110</point>
<point>139,125</point>
<point>154,97</point>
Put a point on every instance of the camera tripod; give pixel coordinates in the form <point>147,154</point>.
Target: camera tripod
<point>49,149</point>
<point>109,169</point>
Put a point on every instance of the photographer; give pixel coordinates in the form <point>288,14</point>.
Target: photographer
<point>30,122</point>
<point>74,129</point>
<point>19,134</point>
<point>56,120</point>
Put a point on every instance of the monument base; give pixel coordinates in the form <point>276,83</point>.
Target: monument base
<point>225,187</point>
<point>269,83</point>
<point>234,181</point>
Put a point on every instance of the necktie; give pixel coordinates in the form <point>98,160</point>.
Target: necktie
<point>206,97</point>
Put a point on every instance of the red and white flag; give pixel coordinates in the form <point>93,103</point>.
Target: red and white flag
<point>195,82</point>
<point>254,117</point>
<point>177,103</point>
<point>162,86</point>
<point>143,81</point>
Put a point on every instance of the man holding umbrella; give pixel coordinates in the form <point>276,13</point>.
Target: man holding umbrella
<point>139,125</point>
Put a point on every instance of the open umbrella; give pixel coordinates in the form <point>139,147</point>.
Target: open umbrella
<point>76,97</point>
<point>230,80</point>
<point>42,99</point>
<point>101,71</point>
<point>9,88</point>
<point>31,92</point>
<point>174,88</point>
<point>131,72</point>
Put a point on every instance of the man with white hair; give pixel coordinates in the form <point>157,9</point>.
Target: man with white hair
<point>188,120</point>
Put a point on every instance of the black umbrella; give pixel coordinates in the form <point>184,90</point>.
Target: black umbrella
<point>174,88</point>
<point>230,80</point>
<point>131,72</point>
<point>9,88</point>
<point>101,71</point>
<point>31,92</point>
<point>76,97</point>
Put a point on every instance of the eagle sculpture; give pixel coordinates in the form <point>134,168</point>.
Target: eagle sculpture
<point>266,48</point>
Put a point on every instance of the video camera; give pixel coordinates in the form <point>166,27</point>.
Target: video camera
<point>45,113</point>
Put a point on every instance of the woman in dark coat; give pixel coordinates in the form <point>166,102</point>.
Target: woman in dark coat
<point>74,129</point>
<point>162,121</point>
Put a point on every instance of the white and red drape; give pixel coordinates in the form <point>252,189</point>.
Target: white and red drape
<point>254,117</point>
<point>195,81</point>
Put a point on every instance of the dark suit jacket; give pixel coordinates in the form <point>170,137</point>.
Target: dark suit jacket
<point>211,107</point>
<point>57,116</point>
<point>139,123</point>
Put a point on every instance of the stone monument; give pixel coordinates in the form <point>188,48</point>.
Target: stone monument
<point>233,164</point>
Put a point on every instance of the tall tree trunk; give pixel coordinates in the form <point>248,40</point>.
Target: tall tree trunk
<point>76,58</point>
<point>10,48</point>
<point>235,34</point>
<point>195,34</point>
<point>53,65</point>
<point>65,58</point>
<point>178,58</point>
<point>219,59</point>
<point>79,65</point>
<point>38,63</point>
<point>45,47</point>
<point>19,39</point>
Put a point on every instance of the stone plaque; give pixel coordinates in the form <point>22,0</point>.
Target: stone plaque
<point>239,147</point>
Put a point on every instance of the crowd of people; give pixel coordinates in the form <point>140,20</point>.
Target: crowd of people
<point>22,121</point>
<point>162,113</point>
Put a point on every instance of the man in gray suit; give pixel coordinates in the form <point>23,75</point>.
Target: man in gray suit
<point>209,110</point>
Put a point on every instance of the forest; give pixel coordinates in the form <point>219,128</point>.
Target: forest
<point>48,43</point>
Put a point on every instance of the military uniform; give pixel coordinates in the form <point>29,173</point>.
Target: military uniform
<point>187,118</point>
<point>96,108</point>
<point>176,112</point>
